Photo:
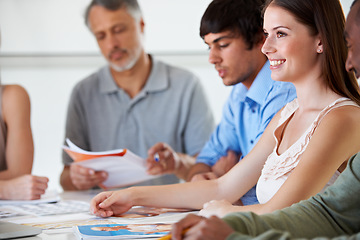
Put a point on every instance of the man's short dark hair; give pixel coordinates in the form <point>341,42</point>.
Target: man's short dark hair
<point>357,16</point>
<point>353,3</point>
<point>243,17</point>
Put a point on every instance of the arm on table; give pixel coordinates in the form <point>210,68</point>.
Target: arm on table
<point>16,182</point>
<point>328,151</point>
<point>190,195</point>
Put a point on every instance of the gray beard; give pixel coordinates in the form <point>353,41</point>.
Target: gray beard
<point>128,66</point>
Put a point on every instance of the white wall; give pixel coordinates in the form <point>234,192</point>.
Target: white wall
<point>47,49</point>
<point>52,26</point>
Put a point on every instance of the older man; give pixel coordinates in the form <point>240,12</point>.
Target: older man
<point>133,102</point>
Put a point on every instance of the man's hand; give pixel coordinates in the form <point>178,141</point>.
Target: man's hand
<point>225,163</point>
<point>197,227</point>
<point>204,176</point>
<point>222,166</point>
<point>26,187</point>
<point>166,162</point>
<point>85,178</point>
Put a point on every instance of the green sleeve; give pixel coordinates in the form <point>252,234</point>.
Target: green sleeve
<point>333,213</point>
<point>280,235</point>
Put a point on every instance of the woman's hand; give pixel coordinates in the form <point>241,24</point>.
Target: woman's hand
<point>112,203</point>
<point>26,187</point>
<point>218,208</point>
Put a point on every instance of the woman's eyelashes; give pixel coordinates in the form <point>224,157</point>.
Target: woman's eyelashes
<point>279,34</point>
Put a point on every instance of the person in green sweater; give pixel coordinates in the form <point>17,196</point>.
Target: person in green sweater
<point>334,213</point>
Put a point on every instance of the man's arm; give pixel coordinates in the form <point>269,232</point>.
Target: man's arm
<point>74,177</point>
<point>198,169</point>
<point>276,234</point>
<point>199,119</point>
<point>332,213</point>
<point>223,139</point>
<point>202,171</point>
<point>65,180</point>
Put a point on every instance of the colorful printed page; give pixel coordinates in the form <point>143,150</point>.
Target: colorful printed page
<point>124,167</point>
<point>141,212</point>
<point>150,215</point>
<point>121,231</point>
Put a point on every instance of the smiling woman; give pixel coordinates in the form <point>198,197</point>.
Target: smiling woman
<point>299,52</point>
<point>315,134</point>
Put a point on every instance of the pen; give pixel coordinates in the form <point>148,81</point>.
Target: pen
<point>169,236</point>
<point>156,157</point>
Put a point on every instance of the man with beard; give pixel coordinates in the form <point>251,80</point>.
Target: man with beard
<point>133,102</point>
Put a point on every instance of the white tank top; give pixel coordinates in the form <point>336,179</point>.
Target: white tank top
<point>277,168</point>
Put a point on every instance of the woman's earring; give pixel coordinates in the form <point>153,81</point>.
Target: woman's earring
<point>319,50</point>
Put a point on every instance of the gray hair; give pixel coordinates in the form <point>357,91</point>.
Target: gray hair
<point>132,7</point>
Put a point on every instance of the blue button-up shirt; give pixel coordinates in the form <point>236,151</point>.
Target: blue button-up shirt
<point>246,114</point>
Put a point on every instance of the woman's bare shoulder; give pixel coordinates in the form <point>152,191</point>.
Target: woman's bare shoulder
<point>15,101</point>
<point>14,91</point>
<point>342,119</point>
<point>345,113</point>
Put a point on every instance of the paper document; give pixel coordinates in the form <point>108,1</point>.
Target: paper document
<point>121,231</point>
<point>136,215</point>
<point>124,167</point>
<point>49,197</point>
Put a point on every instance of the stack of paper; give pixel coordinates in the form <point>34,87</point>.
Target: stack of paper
<point>138,223</point>
<point>124,167</point>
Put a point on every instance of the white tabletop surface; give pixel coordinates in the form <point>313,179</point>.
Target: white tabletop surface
<point>67,233</point>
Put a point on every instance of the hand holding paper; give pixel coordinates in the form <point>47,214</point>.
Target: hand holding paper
<point>84,178</point>
<point>122,166</point>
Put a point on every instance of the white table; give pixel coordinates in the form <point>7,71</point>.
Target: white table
<point>67,234</point>
<point>67,195</point>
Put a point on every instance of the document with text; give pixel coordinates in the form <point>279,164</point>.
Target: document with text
<point>124,167</point>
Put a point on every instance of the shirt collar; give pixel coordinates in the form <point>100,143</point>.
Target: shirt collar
<point>260,87</point>
<point>158,79</point>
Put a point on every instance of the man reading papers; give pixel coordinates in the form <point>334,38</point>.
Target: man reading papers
<point>133,102</point>
<point>122,166</point>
